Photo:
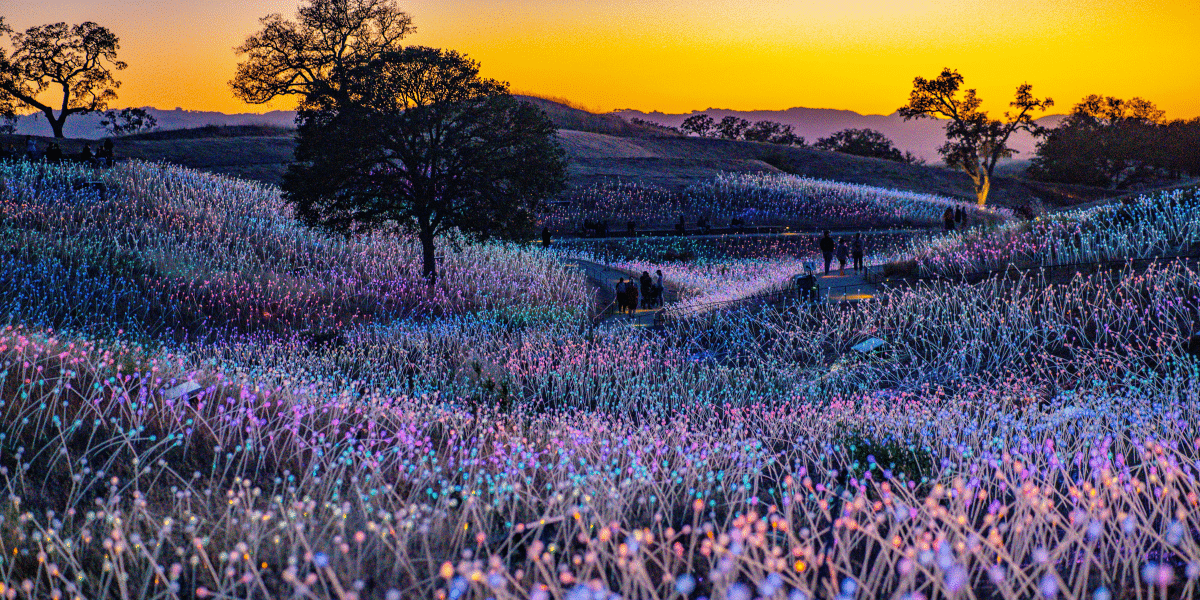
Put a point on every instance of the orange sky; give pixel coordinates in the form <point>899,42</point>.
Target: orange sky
<point>683,55</point>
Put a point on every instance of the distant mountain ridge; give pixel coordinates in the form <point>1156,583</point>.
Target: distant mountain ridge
<point>88,126</point>
<point>564,116</point>
<point>922,137</point>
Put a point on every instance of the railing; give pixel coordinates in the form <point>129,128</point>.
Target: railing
<point>609,310</point>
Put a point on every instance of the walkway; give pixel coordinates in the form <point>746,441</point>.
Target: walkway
<point>605,279</point>
<point>850,287</point>
<point>834,288</point>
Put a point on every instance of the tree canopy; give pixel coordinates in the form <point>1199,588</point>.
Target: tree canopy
<point>864,142</point>
<point>1108,142</point>
<point>732,128</point>
<point>424,142</point>
<point>975,142</point>
<point>311,56</point>
<point>772,132</point>
<point>78,61</point>
<point>128,121</point>
<point>701,125</point>
<point>737,128</point>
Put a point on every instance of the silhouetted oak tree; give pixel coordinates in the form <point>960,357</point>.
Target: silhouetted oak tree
<point>732,128</point>
<point>975,141</point>
<point>1105,141</point>
<point>864,142</point>
<point>76,61</point>
<point>701,125</point>
<point>772,132</point>
<point>422,141</point>
<point>311,56</point>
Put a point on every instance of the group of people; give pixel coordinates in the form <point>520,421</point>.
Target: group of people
<point>844,250</point>
<point>650,289</point>
<point>954,218</point>
<point>102,157</point>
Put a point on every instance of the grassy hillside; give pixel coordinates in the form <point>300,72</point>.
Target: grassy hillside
<point>253,153</point>
<point>676,162</point>
<point>171,253</point>
<point>576,118</point>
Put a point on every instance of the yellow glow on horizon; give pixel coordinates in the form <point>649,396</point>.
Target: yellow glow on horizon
<point>679,55</point>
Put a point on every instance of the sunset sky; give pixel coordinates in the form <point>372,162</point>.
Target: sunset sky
<point>683,55</point>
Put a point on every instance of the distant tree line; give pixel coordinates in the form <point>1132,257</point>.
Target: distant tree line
<point>1116,143</point>
<point>737,128</point>
<point>865,142</point>
<point>659,127</point>
<point>128,121</point>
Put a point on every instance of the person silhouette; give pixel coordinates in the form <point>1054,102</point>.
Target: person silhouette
<point>856,251</point>
<point>86,157</point>
<point>54,153</point>
<point>843,253</point>
<point>105,154</point>
<point>827,247</point>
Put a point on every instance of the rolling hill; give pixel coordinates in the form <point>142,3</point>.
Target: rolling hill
<point>599,147</point>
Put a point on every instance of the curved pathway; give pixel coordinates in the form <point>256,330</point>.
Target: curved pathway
<point>605,278</point>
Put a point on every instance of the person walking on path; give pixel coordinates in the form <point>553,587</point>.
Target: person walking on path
<point>545,237</point>
<point>843,254</point>
<point>632,293</point>
<point>827,248</point>
<point>646,283</point>
<point>856,250</point>
<point>658,287</point>
<point>622,295</point>
<point>948,219</point>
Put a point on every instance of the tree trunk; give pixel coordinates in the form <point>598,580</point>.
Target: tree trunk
<point>56,124</point>
<point>983,184</point>
<point>429,269</point>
